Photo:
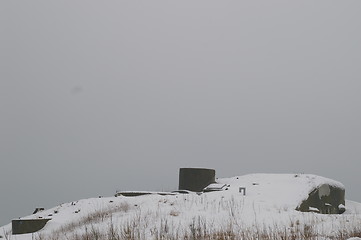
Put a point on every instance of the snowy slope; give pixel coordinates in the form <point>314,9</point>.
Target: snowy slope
<point>268,205</point>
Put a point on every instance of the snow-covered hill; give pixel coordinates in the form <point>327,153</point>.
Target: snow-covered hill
<point>266,211</point>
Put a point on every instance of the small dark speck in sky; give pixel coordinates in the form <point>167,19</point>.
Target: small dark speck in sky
<point>76,90</point>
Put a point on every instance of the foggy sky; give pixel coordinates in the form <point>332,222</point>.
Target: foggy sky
<point>118,95</point>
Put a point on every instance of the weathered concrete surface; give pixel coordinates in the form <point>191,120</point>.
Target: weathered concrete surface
<point>21,226</point>
<point>195,179</point>
<point>140,193</point>
<point>325,199</point>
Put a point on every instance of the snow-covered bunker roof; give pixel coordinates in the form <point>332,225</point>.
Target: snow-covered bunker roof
<point>304,192</point>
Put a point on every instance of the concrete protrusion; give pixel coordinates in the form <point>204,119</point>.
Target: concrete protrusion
<point>242,190</point>
<point>195,179</point>
<point>21,226</point>
<point>38,210</point>
<point>327,199</point>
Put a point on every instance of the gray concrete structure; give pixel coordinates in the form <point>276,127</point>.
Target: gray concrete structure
<point>195,179</point>
<point>325,199</point>
<point>140,193</point>
<point>22,226</point>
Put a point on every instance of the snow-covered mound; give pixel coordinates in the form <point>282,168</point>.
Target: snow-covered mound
<point>281,190</point>
<point>266,207</point>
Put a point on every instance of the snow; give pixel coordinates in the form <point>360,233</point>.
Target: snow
<point>313,209</point>
<point>215,187</point>
<point>270,201</point>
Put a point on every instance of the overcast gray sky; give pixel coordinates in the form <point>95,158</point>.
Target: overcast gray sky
<point>99,96</point>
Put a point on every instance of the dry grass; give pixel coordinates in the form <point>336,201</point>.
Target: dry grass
<point>95,217</point>
<point>171,220</point>
<point>197,230</point>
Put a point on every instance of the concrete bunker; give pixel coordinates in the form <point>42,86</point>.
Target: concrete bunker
<point>22,226</point>
<point>325,199</point>
<point>196,179</point>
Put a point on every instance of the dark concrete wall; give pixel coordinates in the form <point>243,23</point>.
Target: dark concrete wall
<point>195,179</point>
<point>326,199</point>
<point>21,226</point>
